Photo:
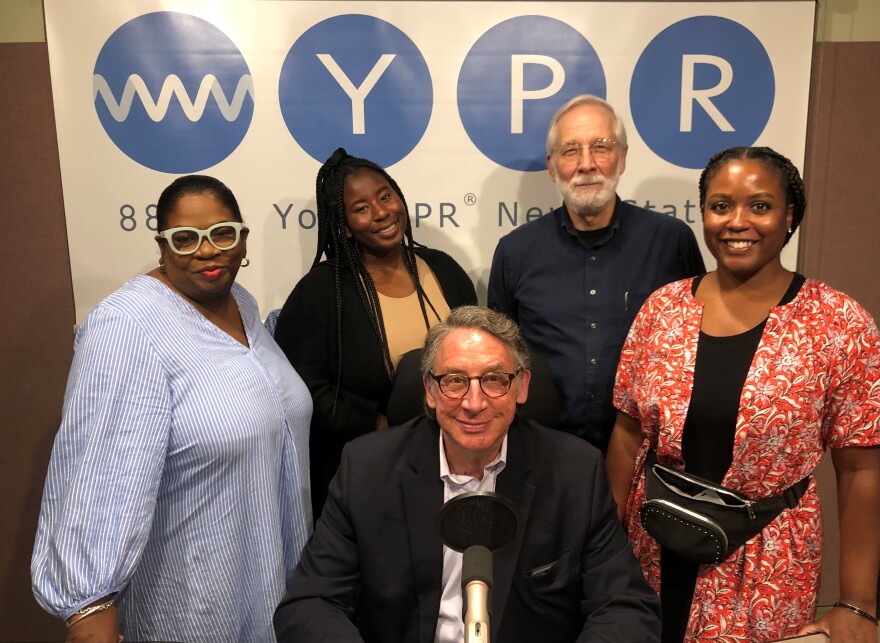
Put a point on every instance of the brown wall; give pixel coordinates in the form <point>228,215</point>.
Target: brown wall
<point>36,324</point>
<point>840,244</point>
<point>840,239</point>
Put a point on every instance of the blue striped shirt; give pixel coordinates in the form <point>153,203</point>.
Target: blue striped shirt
<point>179,476</point>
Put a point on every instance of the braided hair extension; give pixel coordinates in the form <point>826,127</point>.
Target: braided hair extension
<point>795,192</point>
<point>339,249</point>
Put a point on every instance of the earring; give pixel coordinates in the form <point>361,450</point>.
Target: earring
<point>161,266</point>
<point>790,231</point>
<point>245,262</point>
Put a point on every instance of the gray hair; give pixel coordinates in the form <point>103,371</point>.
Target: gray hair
<point>586,99</point>
<point>489,321</point>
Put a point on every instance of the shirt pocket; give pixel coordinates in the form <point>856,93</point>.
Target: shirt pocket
<point>625,314</point>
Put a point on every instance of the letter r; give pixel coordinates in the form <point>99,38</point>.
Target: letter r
<point>689,95</point>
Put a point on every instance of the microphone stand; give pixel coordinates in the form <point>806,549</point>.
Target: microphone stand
<point>476,581</point>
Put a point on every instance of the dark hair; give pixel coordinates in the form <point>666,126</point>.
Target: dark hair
<point>341,250</point>
<point>795,193</point>
<point>495,323</point>
<point>193,184</point>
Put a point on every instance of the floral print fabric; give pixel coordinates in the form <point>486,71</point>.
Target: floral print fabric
<point>814,383</point>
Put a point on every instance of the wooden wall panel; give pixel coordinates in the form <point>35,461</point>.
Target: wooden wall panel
<point>840,240</point>
<point>36,325</point>
<point>840,237</point>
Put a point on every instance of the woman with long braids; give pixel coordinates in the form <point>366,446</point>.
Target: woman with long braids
<point>372,299</point>
<point>744,376</point>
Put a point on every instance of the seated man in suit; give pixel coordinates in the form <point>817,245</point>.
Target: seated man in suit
<point>376,568</point>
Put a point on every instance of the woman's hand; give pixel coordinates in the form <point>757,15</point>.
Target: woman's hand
<point>100,627</point>
<point>620,461</point>
<point>843,626</point>
<point>381,422</point>
<point>857,470</point>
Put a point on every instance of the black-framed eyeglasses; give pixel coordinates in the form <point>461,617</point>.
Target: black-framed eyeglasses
<point>186,241</point>
<point>600,148</point>
<point>493,384</point>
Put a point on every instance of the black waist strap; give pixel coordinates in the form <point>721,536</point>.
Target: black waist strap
<point>765,510</point>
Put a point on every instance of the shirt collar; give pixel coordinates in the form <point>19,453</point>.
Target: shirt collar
<point>613,226</point>
<point>496,465</point>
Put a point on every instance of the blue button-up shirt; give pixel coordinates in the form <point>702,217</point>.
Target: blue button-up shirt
<point>575,302</point>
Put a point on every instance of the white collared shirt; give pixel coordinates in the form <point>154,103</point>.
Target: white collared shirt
<point>450,623</point>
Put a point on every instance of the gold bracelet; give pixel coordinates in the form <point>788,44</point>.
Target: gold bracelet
<point>85,612</point>
<point>856,610</point>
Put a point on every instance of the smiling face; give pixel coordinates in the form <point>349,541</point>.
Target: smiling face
<point>474,426</point>
<point>208,274</point>
<point>746,217</point>
<point>587,183</point>
<point>375,216</point>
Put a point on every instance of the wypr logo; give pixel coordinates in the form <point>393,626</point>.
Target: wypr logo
<point>515,77</point>
<point>357,82</point>
<point>702,85</point>
<point>173,92</point>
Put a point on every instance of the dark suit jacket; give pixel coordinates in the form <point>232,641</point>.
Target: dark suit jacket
<point>372,570</point>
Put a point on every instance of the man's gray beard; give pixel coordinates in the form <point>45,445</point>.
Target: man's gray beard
<point>591,203</point>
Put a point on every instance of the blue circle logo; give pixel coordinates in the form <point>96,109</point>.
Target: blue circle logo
<point>701,85</point>
<point>173,92</point>
<point>356,82</point>
<point>513,80</point>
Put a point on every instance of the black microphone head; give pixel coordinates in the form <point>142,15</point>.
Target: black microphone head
<point>476,565</point>
<point>478,518</point>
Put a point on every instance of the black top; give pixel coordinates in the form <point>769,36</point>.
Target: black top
<point>719,375</point>
<point>707,443</point>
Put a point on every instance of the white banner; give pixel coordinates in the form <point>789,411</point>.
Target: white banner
<point>453,97</point>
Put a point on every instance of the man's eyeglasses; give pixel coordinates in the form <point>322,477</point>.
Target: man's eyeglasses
<point>600,148</point>
<point>456,385</point>
<point>186,241</point>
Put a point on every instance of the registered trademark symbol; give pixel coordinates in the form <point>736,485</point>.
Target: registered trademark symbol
<point>470,198</point>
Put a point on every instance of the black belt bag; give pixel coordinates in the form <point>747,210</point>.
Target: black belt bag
<point>701,521</point>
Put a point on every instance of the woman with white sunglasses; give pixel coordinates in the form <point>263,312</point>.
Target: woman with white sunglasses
<point>176,502</point>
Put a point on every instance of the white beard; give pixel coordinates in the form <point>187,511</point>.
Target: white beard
<point>589,201</point>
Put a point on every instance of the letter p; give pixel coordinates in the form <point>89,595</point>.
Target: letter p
<point>518,93</point>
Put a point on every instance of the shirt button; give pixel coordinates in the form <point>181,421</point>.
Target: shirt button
<point>592,292</point>
<point>594,325</point>
<point>593,361</point>
<point>593,258</point>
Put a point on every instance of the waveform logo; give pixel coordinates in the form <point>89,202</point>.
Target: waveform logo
<point>173,92</point>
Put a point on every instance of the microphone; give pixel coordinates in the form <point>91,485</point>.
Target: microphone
<point>476,581</point>
<point>477,523</point>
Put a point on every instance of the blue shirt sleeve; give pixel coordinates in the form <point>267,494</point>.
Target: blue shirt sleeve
<point>106,464</point>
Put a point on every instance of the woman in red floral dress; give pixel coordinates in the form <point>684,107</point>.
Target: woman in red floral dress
<point>745,376</point>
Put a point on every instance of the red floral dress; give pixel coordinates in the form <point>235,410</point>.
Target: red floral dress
<point>814,383</point>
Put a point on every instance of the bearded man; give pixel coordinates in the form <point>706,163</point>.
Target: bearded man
<point>575,278</point>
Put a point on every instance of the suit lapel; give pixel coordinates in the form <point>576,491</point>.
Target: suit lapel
<point>512,483</point>
<point>423,499</point>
